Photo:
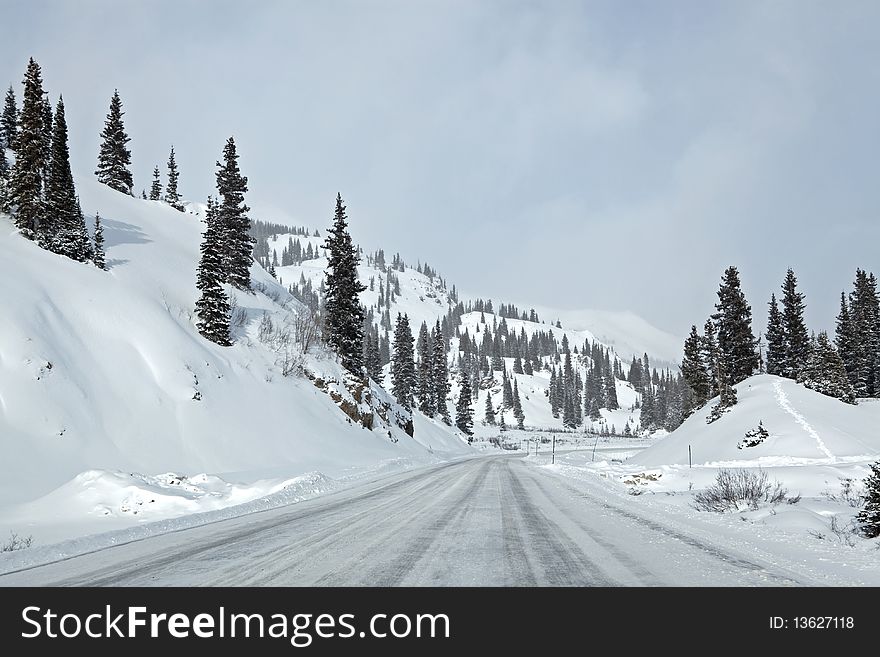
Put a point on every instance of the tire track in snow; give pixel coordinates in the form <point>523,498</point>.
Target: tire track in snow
<point>785,405</point>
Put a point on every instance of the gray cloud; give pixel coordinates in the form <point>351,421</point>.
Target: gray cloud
<point>629,150</point>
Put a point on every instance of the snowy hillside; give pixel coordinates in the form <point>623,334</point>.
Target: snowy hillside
<point>803,426</point>
<point>105,371</point>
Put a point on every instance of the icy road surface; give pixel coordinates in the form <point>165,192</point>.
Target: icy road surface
<point>494,521</point>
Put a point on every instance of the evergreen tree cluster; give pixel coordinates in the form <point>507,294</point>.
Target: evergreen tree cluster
<point>225,249</point>
<point>38,189</point>
<point>403,370</point>
<point>725,354</point>
<point>857,335</point>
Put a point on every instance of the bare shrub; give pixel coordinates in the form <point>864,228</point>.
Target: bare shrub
<point>237,314</point>
<point>306,329</point>
<point>16,542</point>
<point>844,533</point>
<point>850,493</point>
<point>734,490</point>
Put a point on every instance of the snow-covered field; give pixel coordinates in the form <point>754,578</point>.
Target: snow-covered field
<point>818,448</point>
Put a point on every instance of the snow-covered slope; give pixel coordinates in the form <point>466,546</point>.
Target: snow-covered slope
<point>106,371</point>
<point>804,426</point>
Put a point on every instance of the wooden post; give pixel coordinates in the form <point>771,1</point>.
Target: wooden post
<point>553,456</point>
<point>690,464</point>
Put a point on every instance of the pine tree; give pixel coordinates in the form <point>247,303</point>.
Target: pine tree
<point>440,373</point>
<point>463,413</point>
<point>869,515</point>
<point>64,229</point>
<point>9,121</point>
<point>553,394</point>
<point>610,387</point>
<point>156,187</point>
<point>846,340</point>
<point>824,371</point>
<point>506,392</point>
<point>47,136</point>
<point>114,158</point>
<point>711,356</point>
<point>25,191</point>
<point>372,357</point>
<point>694,371</point>
<point>734,324</point>
<point>489,418</point>
<point>517,407</point>
<point>172,198</point>
<point>99,258</point>
<point>797,340</point>
<point>235,225</point>
<point>212,308</point>
<point>4,180</point>
<point>864,312</point>
<point>344,315</point>
<point>402,366</point>
<point>776,340</point>
<point>426,393</point>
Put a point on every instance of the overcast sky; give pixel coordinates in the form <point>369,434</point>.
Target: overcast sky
<point>613,155</point>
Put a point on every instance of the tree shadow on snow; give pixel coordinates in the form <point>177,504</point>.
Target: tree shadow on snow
<point>114,262</point>
<point>119,232</point>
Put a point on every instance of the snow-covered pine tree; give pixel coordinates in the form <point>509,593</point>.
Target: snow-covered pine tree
<point>25,191</point>
<point>172,198</point>
<point>489,417</point>
<point>845,340</point>
<point>609,388</point>
<point>156,186</point>
<point>864,312</point>
<point>463,412</point>
<point>212,308</point>
<point>237,241</point>
<point>47,136</point>
<point>4,180</point>
<point>64,229</point>
<point>9,121</point>
<point>343,313</point>
<point>776,342</point>
<point>114,158</point>
<point>711,356</point>
<point>797,339</point>
<point>506,392</point>
<point>824,371</point>
<point>517,407</point>
<point>733,321</point>
<point>402,366</point>
<point>694,371</point>
<point>869,515</point>
<point>553,393</point>
<point>425,372</point>
<point>372,358</point>
<point>99,257</point>
<point>440,373</point>
<point>646,415</point>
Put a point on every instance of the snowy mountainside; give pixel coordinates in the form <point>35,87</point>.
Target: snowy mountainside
<point>425,298</point>
<point>105,370</point>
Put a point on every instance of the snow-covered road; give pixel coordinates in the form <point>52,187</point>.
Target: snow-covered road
<point>487,521</point>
